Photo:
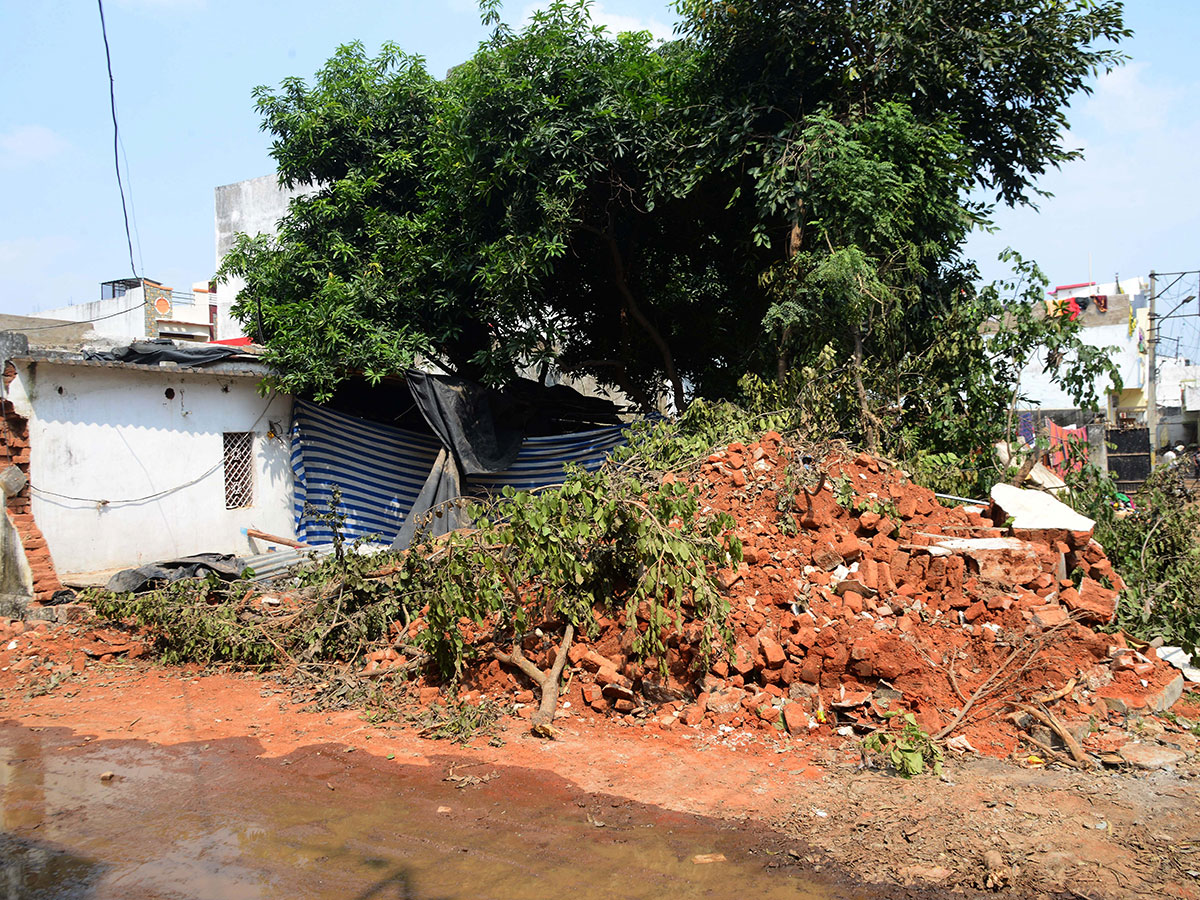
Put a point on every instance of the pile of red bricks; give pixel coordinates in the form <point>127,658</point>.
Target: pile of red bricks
<point>861,595</point>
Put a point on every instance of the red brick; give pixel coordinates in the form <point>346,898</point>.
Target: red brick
<point>1092,602</point>
<point>1049,616</point>
<point>771,651</point>
<point>853,601</point>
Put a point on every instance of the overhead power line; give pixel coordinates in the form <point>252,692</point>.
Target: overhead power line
<point>112,96</point>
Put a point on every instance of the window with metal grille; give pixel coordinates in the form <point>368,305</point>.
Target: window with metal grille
<point>239,469</point>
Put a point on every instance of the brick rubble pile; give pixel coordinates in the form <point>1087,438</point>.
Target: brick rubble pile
<point>844,613</point>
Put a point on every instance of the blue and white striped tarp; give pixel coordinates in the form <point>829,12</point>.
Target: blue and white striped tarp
<point>380,469</point>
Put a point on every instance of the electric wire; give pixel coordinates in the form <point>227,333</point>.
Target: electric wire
<point>112,96</point>
<point>137,235</point>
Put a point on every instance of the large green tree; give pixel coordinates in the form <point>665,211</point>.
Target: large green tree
<point>784,188</point>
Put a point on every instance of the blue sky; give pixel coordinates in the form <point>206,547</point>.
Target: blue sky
<point>184,71</point>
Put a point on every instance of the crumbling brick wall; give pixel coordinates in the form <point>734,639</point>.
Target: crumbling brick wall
<point>14,450</point>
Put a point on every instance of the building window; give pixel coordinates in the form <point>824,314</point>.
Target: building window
<point>239,469</point>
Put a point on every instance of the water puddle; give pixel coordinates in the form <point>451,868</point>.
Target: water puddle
<point>213,821</point>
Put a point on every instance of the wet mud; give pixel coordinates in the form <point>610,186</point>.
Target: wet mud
<point>133,819</point>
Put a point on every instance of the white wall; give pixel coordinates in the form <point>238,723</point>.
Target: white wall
<point>117,317</point>
<point>1173,375</point>
<point>1133,286</point>
<point>1039,389</point>
<point>252,207</point>
<point>100,433</point>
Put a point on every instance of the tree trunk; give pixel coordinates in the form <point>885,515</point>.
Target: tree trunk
<point>1035,457</point>
<point>646,325</point>
<point>547,682</point>
<point>784,356</point>
<point>869,419</point>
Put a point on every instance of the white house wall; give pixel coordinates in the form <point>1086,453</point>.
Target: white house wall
<point>1039,389</point>
<point>102,434</point>
<point>1173,375</point>
<point>121,318</point>
<point>251,207</point>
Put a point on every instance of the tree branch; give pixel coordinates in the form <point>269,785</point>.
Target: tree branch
<point>635,311</point>
<point>547,682</point>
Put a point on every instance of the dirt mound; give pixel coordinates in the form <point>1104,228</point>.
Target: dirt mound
<point>861,596</point>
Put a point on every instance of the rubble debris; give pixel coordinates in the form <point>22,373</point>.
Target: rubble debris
<point>861,601</point>
<point>1181,661</point>
<point>1036,511</point>
<point>849,614</point>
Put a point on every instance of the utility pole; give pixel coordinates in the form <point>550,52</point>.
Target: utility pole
<point>1151,378</point>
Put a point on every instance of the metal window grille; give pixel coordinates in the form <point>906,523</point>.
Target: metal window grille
<point>239,469</point>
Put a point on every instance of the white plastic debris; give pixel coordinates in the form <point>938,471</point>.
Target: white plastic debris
<point>960,744</point>
<point>1174,655</point>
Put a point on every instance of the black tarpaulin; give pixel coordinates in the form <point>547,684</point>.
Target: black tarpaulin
<point>151,353</point>
<point>484,427</point>
<point>481,430</point>
<point>480,427</point>
<point>155,575</point>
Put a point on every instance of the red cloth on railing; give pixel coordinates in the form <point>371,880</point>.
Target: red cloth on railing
<point>1063,457</point>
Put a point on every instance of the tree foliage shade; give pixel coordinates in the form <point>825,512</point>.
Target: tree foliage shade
<point>783,189</point>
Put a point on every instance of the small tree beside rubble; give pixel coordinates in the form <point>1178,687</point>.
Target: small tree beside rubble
<point>541,563</point>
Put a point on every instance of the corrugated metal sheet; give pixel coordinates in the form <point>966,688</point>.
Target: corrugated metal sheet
<point>271,565</point>
<point>380,469</point>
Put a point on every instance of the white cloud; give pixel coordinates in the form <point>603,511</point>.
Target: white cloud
<point>1130,205</point>
<point>26,145</point>
<point>1129,98</point>
<point>615,22</point>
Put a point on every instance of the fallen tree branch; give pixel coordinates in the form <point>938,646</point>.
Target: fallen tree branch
<point>1052,696</point>
<point>820,487</point>
<point>1051,721</point>
<point>547,682</point>
<point>1051,754</point>
<point>994,682</point>
<point>980,691</point>
<point>954,683</point>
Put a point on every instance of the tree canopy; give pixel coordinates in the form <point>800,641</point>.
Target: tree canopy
<point>782,190</point>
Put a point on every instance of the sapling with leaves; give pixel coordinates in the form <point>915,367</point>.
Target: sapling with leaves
<point>547,561</point>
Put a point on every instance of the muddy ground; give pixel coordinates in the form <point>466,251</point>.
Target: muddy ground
<point>223,785</point>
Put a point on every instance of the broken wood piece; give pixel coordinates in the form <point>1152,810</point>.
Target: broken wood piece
<point>1053,696</point>
<point>275,539</point>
